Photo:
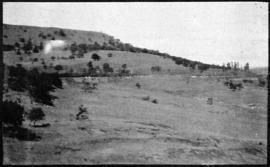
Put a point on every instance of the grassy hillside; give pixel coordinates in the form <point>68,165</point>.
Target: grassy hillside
<point>137,63</point>
<point>124,127</point>
<point>83,41</point>
<point>24,44</point>
<point>145,119</point>
<point>13,33</point>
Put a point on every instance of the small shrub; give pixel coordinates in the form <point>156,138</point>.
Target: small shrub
<point>155,101</point>
<point>155,68</point>
<point>36,114</point>
<point>146,98</point>
<point>124,66</point>
<point>22,40</point>
<point>89,86</point>
<point>96,57</point>
<point>62,33</point>
<point>247,81</point>
<point>18,52</point>
<point>28,47</point>
<point>80,55</point>
<point>58,67</point>
<point>138,85</point>
<point>261,81</point>
<point>71,57</point>
<point>109,54</point>
<point>123,71</point>
<point>35,60</point>
<point>17,45</point>
<point>43,62</point>
<point>107,68</point>
<point>234,86</point>
<point>53,58</point>
<point>36,49</point>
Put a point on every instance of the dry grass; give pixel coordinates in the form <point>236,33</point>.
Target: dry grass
<point>181,128</point>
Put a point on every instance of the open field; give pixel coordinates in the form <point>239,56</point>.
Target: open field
<point>143,107</point>
<point>124,126</point>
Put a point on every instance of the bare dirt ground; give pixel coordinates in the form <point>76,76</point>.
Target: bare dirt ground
<point>124,126</point>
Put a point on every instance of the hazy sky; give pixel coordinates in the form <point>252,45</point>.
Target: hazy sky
<point>213,32</point>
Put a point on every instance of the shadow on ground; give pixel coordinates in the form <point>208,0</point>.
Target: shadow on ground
<point>20,133</point>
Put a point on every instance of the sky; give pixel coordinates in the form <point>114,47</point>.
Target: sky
<point>210,32</point>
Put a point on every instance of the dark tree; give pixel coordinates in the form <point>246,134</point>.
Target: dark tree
<point>107,68</point>
<point>96,46</point>
<point>28,47</point>
<point>12,113</point>
<point>223,67</point>
<point>41,84</point>
<point>71,57</point>
<point>91,69</point>
<point>18,52</point>
<point>82,48</point>
<point>41,46</point>
<point>96,57</point>
<point>123,70</point>
<point>58,67</point>
<point>62,33</point>
<point>36,49</point>
<point>8,48</point>
<point>246,68</point>
<point>17,78</point>
<point>156,69</point>
<point>36,114</point>
<point>22,40</point>
<point>73,48</point>
<point>17,45</point>
<point>229,66</point>
<point>124,66</point>
<point>109,55</point>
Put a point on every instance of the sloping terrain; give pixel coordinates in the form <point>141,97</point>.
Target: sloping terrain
<point>152,117</point>
<point>13,33</point>
<point>123,126</point>
<point>138,63</point>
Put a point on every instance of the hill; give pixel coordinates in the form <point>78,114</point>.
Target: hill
<point>142,118</point>
<point>82,42</point>
<point>14,33</point>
